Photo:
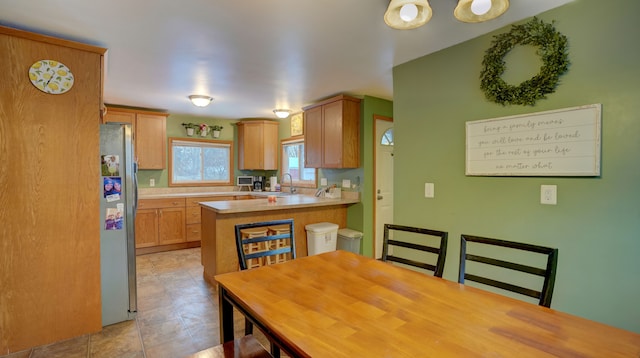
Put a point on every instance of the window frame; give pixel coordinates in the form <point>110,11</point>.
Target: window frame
<point>225,143</point>
<point>296,183</point>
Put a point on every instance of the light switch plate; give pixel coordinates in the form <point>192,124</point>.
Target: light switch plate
<point>323,181</point>
<point>548,194</point>
<point>429,190</point>
<point>346,183</point>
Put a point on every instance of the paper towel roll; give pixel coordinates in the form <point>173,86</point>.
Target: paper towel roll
<point>272,182</point>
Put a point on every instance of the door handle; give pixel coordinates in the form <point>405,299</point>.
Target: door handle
<point>380,197</point>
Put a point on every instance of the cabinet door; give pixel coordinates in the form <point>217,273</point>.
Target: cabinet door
<point>171,225</point>
<point>151,144</point>
<point>332,139</point>
<point>270,146</point>
<point>194,232</point>
<point>313,137</point>
<point>258,145</point>
<point>250,144</point>
<point>146,228</point>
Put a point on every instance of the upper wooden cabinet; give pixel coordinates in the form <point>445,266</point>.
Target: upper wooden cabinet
<point>149,138</point>
<point>332,133</point>
<point>258,145</point>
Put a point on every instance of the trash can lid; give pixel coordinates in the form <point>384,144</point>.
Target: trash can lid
<point>353,234</point>
<point>321,227</point>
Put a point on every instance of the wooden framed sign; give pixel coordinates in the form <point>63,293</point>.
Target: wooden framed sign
<point>563,142</point>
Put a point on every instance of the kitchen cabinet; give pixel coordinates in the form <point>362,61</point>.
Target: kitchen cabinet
<point>258,145</point>
<point>149,134</point>
<point>194,232</point>
<point>160,222</point>
<point>332,133</point>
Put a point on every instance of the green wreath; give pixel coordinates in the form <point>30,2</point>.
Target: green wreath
<point>552,49</point>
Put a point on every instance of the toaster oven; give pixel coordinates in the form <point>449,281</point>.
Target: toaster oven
<point>244,180</point>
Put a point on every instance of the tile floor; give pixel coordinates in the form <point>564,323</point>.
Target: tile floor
<point>177,316</point>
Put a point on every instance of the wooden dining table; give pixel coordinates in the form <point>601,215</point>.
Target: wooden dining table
<point>340,304</point>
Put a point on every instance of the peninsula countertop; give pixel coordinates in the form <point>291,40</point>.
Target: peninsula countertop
<point>282,202</point>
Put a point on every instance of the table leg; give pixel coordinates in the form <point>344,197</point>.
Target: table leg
<point>226,316</point>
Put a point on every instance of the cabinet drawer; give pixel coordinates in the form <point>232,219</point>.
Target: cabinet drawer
<point>194,201</point>
<point>161,203</point>
<point>193,214</point>
<point>194,232</point>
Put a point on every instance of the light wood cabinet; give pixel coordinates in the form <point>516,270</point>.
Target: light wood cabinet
<point>160,222</point>
<point>332,133</point>
<point>258,145</point>
<point>149,134</point>
<point>194,232</point>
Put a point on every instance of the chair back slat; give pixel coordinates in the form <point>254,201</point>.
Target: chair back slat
<point>409,259</point>
<point>267,243</point>
<point>543,295</point>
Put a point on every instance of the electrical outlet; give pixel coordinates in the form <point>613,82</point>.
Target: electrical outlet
<point>346,183</point>
<point>429,190</point>
<point>152,182</point>
<point>548,194</point>
<point>323,181</point>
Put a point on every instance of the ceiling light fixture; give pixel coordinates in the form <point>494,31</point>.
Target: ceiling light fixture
<point>200,100</point>
<point>282,113</point>
<point>409,14</point>
<point>480,10</point>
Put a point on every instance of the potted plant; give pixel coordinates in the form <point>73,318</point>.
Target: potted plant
<point>190,127</point>
<point>215,130</point>
<point>203,129</point>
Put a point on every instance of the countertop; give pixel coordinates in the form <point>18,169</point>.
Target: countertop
<point>195,194</point>
<point>282,202</point>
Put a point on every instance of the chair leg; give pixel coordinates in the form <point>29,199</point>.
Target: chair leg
<point>275,351</point>
<point>248,327</point>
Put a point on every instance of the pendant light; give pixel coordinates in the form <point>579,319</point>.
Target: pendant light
<point>407,14</point>
<point>480,10</point>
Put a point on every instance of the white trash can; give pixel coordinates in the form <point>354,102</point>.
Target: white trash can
<point>349,240</point>
<point>321,237</point>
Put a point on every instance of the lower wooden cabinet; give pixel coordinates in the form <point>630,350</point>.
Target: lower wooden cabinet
<point>170,224</point>
<point>160,222</point>
<point>194,233</point>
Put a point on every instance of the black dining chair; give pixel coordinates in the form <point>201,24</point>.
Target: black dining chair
<point>264,243</point>
<point>418,254</point>
<point>487,256</point>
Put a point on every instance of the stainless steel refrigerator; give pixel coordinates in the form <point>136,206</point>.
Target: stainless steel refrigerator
<point>118,201</point>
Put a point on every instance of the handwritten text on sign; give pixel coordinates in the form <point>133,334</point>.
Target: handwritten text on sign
<point>554,143</point>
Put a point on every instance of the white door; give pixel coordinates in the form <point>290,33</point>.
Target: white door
<point>384,179</point>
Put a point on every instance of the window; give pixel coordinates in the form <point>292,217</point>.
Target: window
<point>387,137</point>
<point>293,163</point>
<point>199,162</point>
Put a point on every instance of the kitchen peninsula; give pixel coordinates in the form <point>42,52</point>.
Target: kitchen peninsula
<point>220,217</point>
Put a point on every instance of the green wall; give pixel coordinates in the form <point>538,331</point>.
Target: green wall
<point>596,223</point>
<point>175,129</point>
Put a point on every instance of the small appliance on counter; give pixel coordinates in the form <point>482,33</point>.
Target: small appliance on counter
<point>244,181</point>
<point>259,183</point>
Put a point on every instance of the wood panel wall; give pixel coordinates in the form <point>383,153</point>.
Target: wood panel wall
<point>49,197</point>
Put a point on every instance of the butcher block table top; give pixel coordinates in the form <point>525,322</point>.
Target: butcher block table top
<point>340,304</point>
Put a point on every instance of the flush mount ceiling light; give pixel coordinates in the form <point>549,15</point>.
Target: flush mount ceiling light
<point>480,10</point>
<point>200,101</point>
<point>282,113</point>
<point>409,14</point>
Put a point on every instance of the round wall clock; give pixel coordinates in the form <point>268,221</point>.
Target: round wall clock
<point>51,76</point>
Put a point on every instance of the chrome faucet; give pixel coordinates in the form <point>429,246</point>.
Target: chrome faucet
<point>292,189</point>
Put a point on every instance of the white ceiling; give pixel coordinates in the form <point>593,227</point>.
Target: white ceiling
<point>251,56</point>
